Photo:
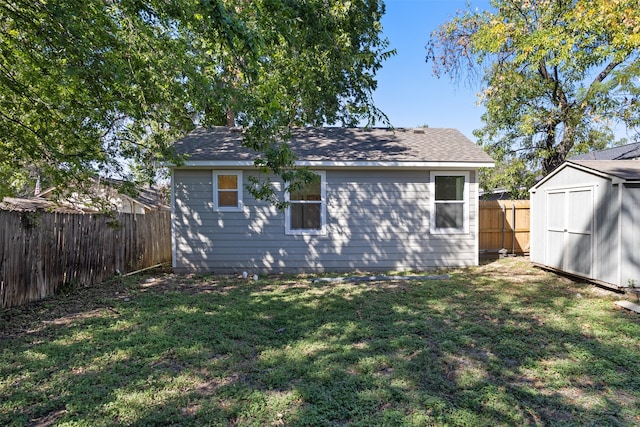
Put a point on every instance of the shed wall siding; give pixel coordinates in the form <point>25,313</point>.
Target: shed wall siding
<point>630,255</point>
<point>376,221</point>
<point>606,233</point>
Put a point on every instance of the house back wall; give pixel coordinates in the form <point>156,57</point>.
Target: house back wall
<point>376,221</point>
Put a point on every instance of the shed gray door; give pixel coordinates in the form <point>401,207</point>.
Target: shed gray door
<point>569,236</point>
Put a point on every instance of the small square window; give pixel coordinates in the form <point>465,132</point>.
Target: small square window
<point>227,191</point>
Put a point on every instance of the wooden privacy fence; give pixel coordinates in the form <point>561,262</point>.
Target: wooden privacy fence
<point>41,252</point>
<point>504,224</point>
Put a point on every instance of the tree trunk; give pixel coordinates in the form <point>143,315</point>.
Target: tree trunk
<point>558,153</point>
<point>231,117</point>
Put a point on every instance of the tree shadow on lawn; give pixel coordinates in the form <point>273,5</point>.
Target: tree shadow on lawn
<point>480,348</point>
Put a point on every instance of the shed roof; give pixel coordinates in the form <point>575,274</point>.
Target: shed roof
<point>333,144</point>
<point>624,152</point>
<point>618,170</point>
<point>628,170</point>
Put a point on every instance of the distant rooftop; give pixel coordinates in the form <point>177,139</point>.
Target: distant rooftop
<point>32,204</point>
<point>624,152</point>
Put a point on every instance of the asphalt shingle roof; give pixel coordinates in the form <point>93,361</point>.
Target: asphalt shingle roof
<point>342,144</point>
<point>624,152</point>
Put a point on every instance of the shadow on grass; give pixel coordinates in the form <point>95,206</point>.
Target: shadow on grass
<point>484,348</point>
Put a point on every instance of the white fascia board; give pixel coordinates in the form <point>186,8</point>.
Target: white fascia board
<point>342,164</point>
<point>213,163</point>
<point>382,164</point>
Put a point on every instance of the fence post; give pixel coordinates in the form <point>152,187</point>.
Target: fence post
<point>513,228</point>
<point>504,221</point>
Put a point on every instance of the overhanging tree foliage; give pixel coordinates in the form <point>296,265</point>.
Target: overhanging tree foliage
<point>88,84</point>
<point>557,77</point>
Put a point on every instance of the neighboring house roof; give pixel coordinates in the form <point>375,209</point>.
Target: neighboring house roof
<point>152,198</point>
<point>624,152</point>
<point>341,147</point>
<point>497,194</point>
<point>147,199</point>
<point>625,171</point>
<point>32,204</point>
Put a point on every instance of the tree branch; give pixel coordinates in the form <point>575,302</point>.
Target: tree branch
<point>604,73</point>
<point>22,125</point>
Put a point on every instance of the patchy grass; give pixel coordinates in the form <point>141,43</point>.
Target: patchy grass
<point>502,344</point>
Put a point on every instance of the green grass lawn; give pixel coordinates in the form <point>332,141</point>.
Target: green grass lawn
<point>501,344</point>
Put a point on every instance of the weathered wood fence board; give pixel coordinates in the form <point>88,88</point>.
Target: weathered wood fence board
<point>504,224</point>
<point>41,252</point>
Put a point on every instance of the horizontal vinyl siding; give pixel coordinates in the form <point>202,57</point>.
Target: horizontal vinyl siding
<point>376,221</point>
<point>336,252</point>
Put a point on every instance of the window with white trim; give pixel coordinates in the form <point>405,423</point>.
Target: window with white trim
<point>227,191</point>
<point>306,213</point>
<point>450,202</point>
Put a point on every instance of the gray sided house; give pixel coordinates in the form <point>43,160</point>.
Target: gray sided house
<point>387,200</point>
<point>585,221</point>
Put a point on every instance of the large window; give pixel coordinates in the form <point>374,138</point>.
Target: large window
<point>306,213</point>
<point>450,207</point>
<point>227,191</point>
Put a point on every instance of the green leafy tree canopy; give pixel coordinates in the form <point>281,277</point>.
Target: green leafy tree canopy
<point>557,76</point>
<point>89,85</point>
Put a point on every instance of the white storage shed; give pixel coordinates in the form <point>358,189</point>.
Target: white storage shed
<point>585,221</point>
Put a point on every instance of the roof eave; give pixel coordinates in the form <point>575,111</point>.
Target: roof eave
<point>341,164</point>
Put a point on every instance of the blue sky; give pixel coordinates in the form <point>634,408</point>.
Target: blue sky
<point>407,90</point>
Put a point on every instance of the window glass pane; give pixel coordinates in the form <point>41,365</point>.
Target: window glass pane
<point>227,198</point>
<point>228,182</point>
<point>310,192</point>
<point>305,216</point>
<point>449,215</point>
<point>449,187</point>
